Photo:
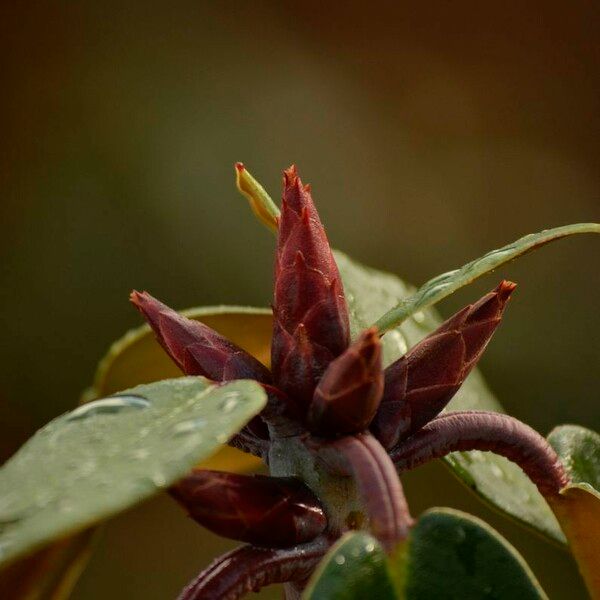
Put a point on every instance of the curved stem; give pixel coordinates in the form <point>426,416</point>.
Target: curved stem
<point>249,568</point>
<point>485,431</point>
<point>364,458</point>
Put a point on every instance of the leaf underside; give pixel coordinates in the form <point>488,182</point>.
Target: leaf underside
<point>104,457</point>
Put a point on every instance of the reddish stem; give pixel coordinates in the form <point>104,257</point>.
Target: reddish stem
<point>363,457</point>
<point>249,568</point>
<point>485,431</point>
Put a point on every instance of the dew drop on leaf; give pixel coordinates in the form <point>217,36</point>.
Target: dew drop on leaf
<point>108,406</point>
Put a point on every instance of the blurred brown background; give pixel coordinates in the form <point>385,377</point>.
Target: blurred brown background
<point>431,133</point>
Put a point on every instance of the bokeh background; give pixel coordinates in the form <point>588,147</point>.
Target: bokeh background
<point>431,132</point>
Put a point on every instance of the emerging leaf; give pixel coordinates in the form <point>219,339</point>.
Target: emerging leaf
<point>350,390</point>
<point>310,314</point>
<point>196,348</point>
<point>265,511</point>
<point>420,384</point>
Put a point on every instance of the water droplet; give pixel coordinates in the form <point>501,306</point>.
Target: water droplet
<point>340,559</point>
<point>189,426</point>
<point>140,453</point>
<point>108,406</point>
<point>158,479</point>
<point>369,547</point>
<point>442,278</point>
<point>419,316</point>
<point>230,402</point>
<point>396,337</point>
<point>497,471</point>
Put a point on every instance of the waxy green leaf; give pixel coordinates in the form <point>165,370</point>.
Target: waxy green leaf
<point>355,568</point>
<point>448,554</point>
<point>454,555</point>
<point>105,456</point>
<point>501,483</point>
<point>443,285</point>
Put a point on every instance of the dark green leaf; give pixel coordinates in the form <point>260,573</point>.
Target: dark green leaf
<point>371,293</point>
<point>354,569</point>
<point>453,555</point>
<point>110,454</point>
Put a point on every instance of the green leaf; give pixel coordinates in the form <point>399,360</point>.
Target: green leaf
<point>499,482</point>
<point>448,555</point>
<point>443,285</point>
<point>577,507</point>
<point>354,568</point>
<point>108,455</point>
<point>579,450</point>
<point>454,555</point>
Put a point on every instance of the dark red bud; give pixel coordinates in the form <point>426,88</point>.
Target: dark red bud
<point>261,510</point>
<point>420,384</point>
<point>350,390</point>
<point>196,348</point>
<point>310,313</point>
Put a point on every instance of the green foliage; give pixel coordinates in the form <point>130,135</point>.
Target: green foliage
<point>105,456</point>
<point>448,555</point>
<point>443,285</point>
<point>453,555</point>
<point>356,567</point>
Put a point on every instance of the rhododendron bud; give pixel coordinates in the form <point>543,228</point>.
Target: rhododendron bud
<point>310,313</point>
<point>420,384</point>
<point>266,511</point>
<point>196,348</point>
<point>350,390</point>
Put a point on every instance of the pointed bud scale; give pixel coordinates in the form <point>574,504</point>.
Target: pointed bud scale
<point>350,390</point>
<point>310,313</point>
<point>420,384</point>
<point>196,348</point>
<point>265,511</point>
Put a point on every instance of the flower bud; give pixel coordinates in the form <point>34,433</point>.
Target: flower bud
<point>420,384</point>
<point>310,313</point>
<point>350,390</point>
<point>265,511</point>
<point>196,348</point>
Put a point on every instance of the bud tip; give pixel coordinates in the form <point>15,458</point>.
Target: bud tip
<point>505,289</point>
